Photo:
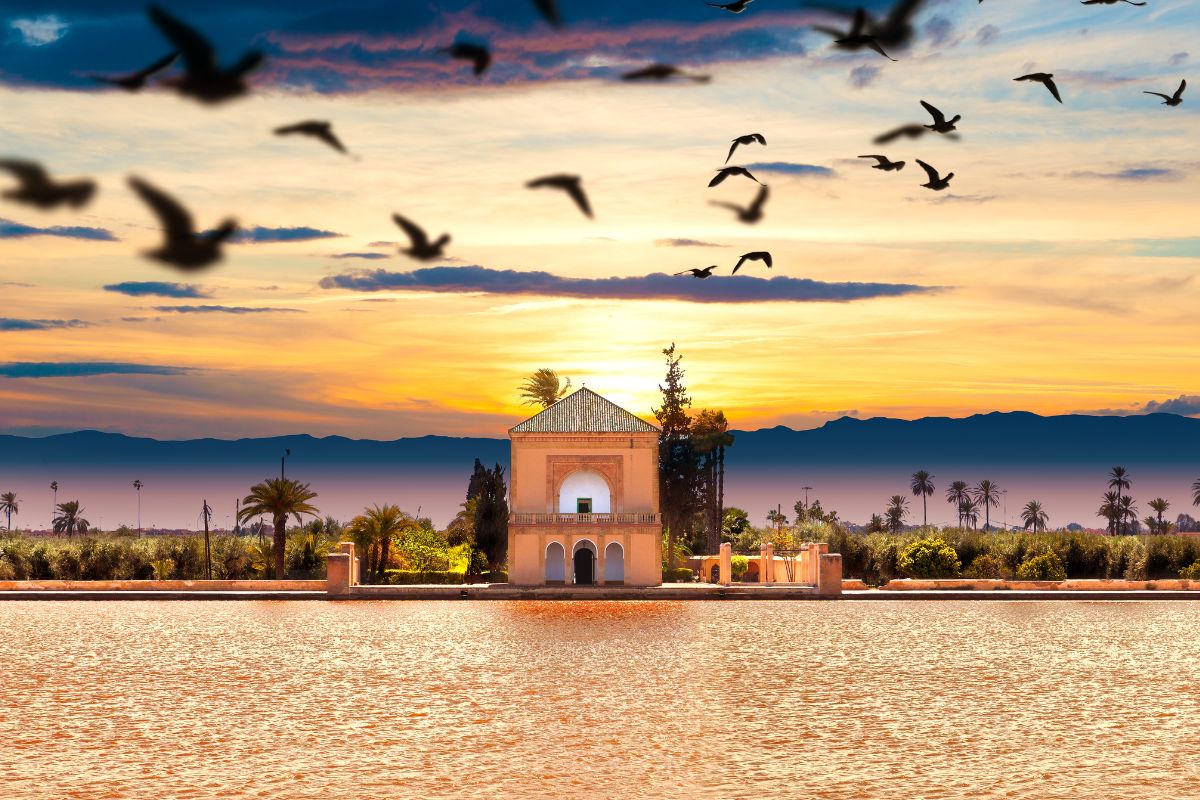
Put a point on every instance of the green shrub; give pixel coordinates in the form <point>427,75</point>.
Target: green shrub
<point>677,575</point>
<point>986,566</point>
<point>1046,567</point>
<point>1191,573</point>
<point>495,576</point>
<point>928,558</point>
<point>738,566</point>
<point>7,572</point>
<point>408,577</point>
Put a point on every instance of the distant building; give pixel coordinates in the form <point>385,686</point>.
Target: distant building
<point>583,496</point>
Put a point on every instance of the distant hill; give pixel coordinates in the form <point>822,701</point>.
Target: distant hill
<point>852,465</point>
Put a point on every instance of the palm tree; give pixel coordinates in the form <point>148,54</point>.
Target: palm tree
<point>1127,511</point>
<point>1034,516</point>
<point>281,498</point>
<point>1119,479</point>
<point>956,495</point>
<point>968,512</point>
<point>1159,506</point>
<point>138,486</point>
<point>70,519</point>
<point>373,530</point>
<point>922,484</point>
<point>9,506</point>
<point>1108,510</point>
<point>1196,492</point>
<point>54,488</point>
<point>896,511</point>
<point>987,494</point>
<point>544,388</point>
<point>710,436</point>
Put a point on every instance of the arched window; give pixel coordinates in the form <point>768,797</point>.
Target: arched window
<point>556,562</point>
<point>614,563</point>
<point>584,492</point>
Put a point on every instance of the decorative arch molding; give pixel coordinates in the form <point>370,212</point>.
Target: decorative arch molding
<point>611,468</point>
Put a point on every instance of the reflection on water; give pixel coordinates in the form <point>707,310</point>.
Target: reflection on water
<point>644,700</point>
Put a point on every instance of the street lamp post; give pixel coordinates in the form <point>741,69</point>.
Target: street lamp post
<point>287,452</point>
<point>138,486</point>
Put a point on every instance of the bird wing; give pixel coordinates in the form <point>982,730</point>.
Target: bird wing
<point>1179,91</point>
<point>757,205</point>
<point>938,116</point>
<point>718,178</point>
<point>732,148</point>
<point>577,194</point>
<point>738,265</point>
<point>860,21</point>
<point>1159,94</point>
<point>198,55</point>
<point>758,137</point>
<point>874,45</point>
<point>765,257</point>
<point>176,221</point>
<point>483,60</point>
<point>325,134</point>
<point>881,159</point>
<point>157,66</point>
<point>896,133</point>
<point>415,233</point>
<point>1053,89</point>
<point>834,32</point>
<point>750,175</point>
<point>549,11</point>
<point>930,171</point>
<point>29,173</point>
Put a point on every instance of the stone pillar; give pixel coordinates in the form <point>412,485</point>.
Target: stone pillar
<point>338,578</point>
<point>347,549</point>
<point>725,575</point>
<point>600,562</point>
<point>766,564</point>
<point>829,579</point>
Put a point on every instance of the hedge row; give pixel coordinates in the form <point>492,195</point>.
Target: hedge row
<point>677,575</point>
<point>405,577</point>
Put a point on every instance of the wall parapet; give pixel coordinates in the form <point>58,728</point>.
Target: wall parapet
<point>625,518</point>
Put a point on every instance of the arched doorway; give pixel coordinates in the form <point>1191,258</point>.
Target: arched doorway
<point>584,562</point>
<point>714,574</point>
<point>614,564</point>
<point>556,563</point>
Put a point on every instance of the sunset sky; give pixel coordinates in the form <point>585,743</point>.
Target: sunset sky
<point>1057,274</point>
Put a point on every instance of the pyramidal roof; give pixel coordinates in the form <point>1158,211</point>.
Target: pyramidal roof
<point>584,411</point>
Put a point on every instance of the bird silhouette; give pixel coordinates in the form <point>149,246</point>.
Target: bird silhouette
<point>477,54</point>
<point>736,7</point>
<point>1108,2</point>
<point>758,255</point>
<point>894,30</point>
<point>1045,78</point>
<point>203,79</point>
<point>863,40</point>
<point>663,72</point>
<point>571,184</point>
<point>182,246</point>
<point>318,129</point>
<point>1174,99</point>
<point>135,81</point>
<point>38,189</point>
<point>422,249</point>
<point>936,182</point>
<point>699,273</point>
<point>940,123</point>
<point>886,164</point>
<point>549,11</point>
<point>749,214</point>
<point>913,130</point>
<point>749,138</point>
<point>725,172</point>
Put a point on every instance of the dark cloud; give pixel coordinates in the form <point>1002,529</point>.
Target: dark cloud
<point>367,256</point>
<point>961,198</point>
<point>17,230</point>
<point>986,35</point>
<point>81,369</point>
<point>686,243</point>
<point>1133,174</point>
<point>940,30</point>
<point>864,75</point>
<point>157,289</point>
<point>226,310</point>
<point>790,168</point>
<point>1177,58</point>
<point>17,284</point>
<point>1187,405</point>
<point>10,324</point>
<point>261,235</point>
<point>659,286</point>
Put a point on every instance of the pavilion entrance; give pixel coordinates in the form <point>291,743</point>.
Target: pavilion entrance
<point>585,564</point>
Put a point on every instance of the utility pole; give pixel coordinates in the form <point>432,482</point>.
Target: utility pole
<point>287,452</point>
<point>207,512</point>
<point>806,490</point>
<point>138,486</point>
<point>237,516</point>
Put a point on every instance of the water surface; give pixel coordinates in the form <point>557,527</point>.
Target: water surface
<point>903,699</point>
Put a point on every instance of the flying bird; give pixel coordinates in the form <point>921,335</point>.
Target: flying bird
<point>569,184</point>
<point>699,273</point>
<point>863,40</point>
<point>318,129</point>
<point>477,54</point>
<point>1045,78</point>
<point>663,72</point>
<point>758,255</point>
<point>749,138</point>
<point>422,249</point>
<point>894,30</point>
<point>182,246</point>
<point>736,7</point>
<point>1109,2</point>
<point>1174,99</point>
<point>936,182</point>
<point>940,123</point>
<point>725,172</point>
<point>203,78</point>
<point>135,81</point>
<point>911,131</point>
<point>886,164</point>
<point>38,189</point>
<point>750,214</point>
<point>549,11</point>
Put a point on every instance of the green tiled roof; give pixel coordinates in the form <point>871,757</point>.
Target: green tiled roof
<point>584,411</point>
